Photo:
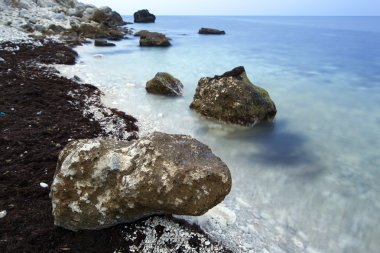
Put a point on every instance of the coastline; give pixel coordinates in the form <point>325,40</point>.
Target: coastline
<point>43,111</point>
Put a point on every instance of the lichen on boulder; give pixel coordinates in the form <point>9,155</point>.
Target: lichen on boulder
<point>232,98</point>
<point>102,182</point>
<point>164,84</point>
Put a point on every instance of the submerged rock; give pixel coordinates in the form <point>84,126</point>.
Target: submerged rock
<point>103,43</point>
<point>164,84</point>
<point>211,31</point>
<point>144,16</point>
<point>139,33</point>
<point>153,39</point>
<point>101,182</point>
<point>232,98</point>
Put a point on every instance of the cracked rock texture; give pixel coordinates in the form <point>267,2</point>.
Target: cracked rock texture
<point>103,182</point>
<point>232,98</point>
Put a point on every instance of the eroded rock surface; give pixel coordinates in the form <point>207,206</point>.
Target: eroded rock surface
<point>232,98</point>
<point>164,84</point>
<point>144,16</point>
<point>100,183</point>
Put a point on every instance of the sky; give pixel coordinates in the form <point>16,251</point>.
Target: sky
<point>246,7</point>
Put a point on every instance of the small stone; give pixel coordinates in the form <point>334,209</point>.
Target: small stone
<point>44,185</point>
<point>3,214</point>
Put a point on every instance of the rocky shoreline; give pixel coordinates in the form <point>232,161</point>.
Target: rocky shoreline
<point>41,113</point>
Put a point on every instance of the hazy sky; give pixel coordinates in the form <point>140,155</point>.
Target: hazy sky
<point>245,7</point>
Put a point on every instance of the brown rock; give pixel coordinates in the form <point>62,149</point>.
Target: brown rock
<point>164,84</point>
<point>153,39</point>
<point>232,98</point>
<point>211,31</point>
<point>99,183</point>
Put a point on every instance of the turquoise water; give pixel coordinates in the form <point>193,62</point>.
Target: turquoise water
<point>308,183</point>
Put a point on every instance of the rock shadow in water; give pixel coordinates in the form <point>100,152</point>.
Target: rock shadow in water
<point>278,147</point>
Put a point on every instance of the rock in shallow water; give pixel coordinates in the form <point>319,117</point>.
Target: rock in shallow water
<point>103,43</point>
<point>232,98</point>
<point>164,84</point>
<point>100,183</point>
<point>153,39</point>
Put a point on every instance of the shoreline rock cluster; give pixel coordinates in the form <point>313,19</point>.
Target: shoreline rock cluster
<point>70,21</point>
<point>99,183</point>
<point>75,31</point>
<point>230,97</point>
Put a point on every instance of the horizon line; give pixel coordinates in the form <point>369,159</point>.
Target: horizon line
<point>254,15</point>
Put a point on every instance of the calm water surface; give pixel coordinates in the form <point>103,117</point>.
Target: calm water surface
<point>308,183</point>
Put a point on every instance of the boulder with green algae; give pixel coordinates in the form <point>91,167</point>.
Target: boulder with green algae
<point>232,98</point>
<point>99,183</point>
<point>164,84</point>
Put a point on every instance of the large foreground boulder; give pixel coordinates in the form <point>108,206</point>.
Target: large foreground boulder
<point>232,98</point>
<point>144,16</point>
<point>211,31</point>
<point>153,39</point>
<point>164,84</point>
<point>101,182</point>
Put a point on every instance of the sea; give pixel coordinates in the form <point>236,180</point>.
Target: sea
<point>309,182</point>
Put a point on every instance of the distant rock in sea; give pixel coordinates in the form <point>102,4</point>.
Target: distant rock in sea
<point>164,84</point>
<point>103,182</point>
<point>144,16</point>
<point>232,98</point>
<point>211,31</point>
<point>152,39</point>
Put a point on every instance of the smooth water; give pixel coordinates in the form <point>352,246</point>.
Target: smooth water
<point>308,183</point>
